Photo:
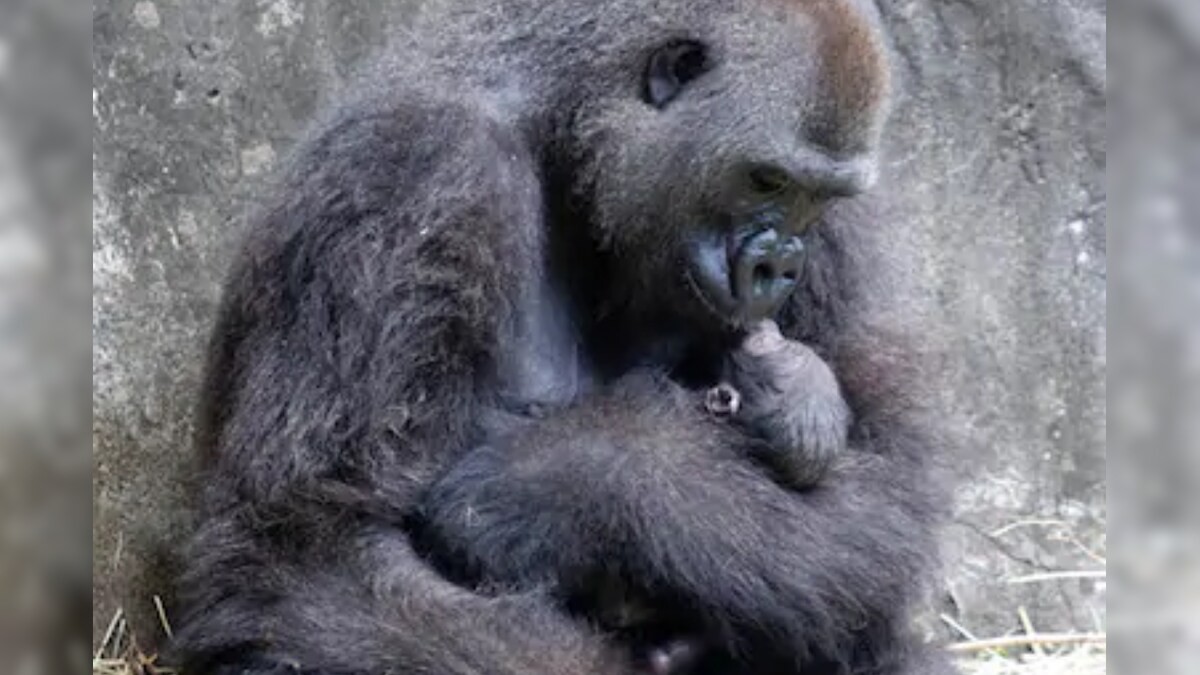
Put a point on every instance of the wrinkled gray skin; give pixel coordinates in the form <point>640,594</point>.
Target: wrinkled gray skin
<point>456,389</point>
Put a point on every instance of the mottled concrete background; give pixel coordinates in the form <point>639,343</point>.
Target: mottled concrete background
<point>999,153</point>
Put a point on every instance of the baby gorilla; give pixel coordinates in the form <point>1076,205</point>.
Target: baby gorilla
<point>782,392</point>
<point>785,396</point>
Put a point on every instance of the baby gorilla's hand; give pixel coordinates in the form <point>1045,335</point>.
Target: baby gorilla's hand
<point>787,396</point>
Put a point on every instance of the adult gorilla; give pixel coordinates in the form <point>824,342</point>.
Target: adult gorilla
<point>456,397</point>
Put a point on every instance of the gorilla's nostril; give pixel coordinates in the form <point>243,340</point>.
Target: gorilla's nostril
<point>763,279</point>
<point>764,272</point>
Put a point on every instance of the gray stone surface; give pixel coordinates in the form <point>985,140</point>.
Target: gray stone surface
<point>998,152</point>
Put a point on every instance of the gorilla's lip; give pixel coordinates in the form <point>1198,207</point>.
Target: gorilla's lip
<point>708,271</point>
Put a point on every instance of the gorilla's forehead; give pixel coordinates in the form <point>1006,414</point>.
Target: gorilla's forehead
<point>854,66</point>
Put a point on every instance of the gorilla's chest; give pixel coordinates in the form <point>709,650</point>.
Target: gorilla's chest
<point>542,361</point>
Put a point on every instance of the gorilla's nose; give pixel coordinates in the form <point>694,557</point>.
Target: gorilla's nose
<point>765,270</point>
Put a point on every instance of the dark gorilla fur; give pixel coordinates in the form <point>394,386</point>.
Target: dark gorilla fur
<point>464,315</point>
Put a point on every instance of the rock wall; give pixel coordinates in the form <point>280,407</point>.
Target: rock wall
<point>998,153</point>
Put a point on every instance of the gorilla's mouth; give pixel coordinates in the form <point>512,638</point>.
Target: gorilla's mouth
<point>745,276</point>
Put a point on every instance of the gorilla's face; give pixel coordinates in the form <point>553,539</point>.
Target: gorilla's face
<point>708,171</point>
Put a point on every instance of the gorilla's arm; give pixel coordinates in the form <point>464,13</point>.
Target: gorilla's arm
<point>639,483</point>
<point>343,374</point>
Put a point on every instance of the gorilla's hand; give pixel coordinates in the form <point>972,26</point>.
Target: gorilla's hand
<point>789,398</point>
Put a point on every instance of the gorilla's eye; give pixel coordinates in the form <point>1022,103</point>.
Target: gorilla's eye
<point>769,180</point>
<point>671,68</point>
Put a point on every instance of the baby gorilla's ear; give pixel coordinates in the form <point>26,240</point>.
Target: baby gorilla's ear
<point>723,400</point>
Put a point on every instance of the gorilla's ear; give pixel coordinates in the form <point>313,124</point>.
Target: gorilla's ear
<point>670,69</point>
